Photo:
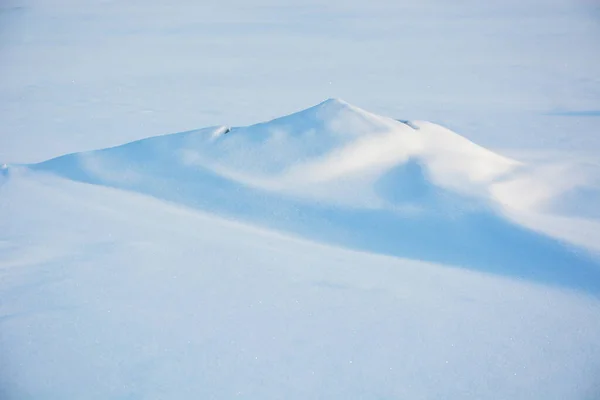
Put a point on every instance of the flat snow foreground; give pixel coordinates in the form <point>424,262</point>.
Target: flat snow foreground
<point>109,294</point>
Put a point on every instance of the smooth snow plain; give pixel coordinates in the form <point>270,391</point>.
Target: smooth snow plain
<point>511,74</point>
<point>151,269</point>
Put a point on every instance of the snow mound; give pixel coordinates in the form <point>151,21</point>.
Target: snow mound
<point>339,174</point>
<point>320,153</point>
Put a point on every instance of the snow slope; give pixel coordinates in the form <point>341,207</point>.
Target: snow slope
<point>304,153</point>
<point>108,294</point>
<point>339,174</point>
<point>134,272</point>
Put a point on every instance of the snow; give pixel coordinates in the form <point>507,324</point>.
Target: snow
<point>443,244</point>
<point>345,166</point>
<point>509,74</point>
<point>329,142</point>
<point>140,277</point>
<point>112,294</point>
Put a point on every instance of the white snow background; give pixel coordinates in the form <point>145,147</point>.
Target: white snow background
<point>158,241</point>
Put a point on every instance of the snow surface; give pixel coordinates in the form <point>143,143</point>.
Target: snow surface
<point>109,294</point>
<point>127,272</point>
<point>80,75</point>
<point>342,175</point>
<point>152,269</point>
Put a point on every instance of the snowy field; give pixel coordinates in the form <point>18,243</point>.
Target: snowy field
<point>183,214</point>
<point>81,75</point>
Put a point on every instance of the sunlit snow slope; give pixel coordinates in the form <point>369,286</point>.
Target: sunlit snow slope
<point>339,174</point>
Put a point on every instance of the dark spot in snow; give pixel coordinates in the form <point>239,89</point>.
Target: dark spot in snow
<point>408,123</point>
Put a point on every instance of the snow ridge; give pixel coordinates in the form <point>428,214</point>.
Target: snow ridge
<point>341,175</point>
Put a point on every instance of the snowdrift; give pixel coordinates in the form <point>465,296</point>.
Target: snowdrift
<point>341,175</point>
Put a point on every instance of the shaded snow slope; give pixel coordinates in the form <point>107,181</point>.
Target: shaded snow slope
<point>108,294</point>
<point>338,174</point>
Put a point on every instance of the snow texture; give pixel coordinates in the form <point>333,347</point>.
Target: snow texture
<point>81,75</point>
<point>122,279</point>
<point>342,175</point>
<point>332,253</point>
<point>110,295</point>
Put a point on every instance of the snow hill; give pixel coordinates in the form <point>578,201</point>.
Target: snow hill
<point>341,175</point>
<point>152,270</point>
